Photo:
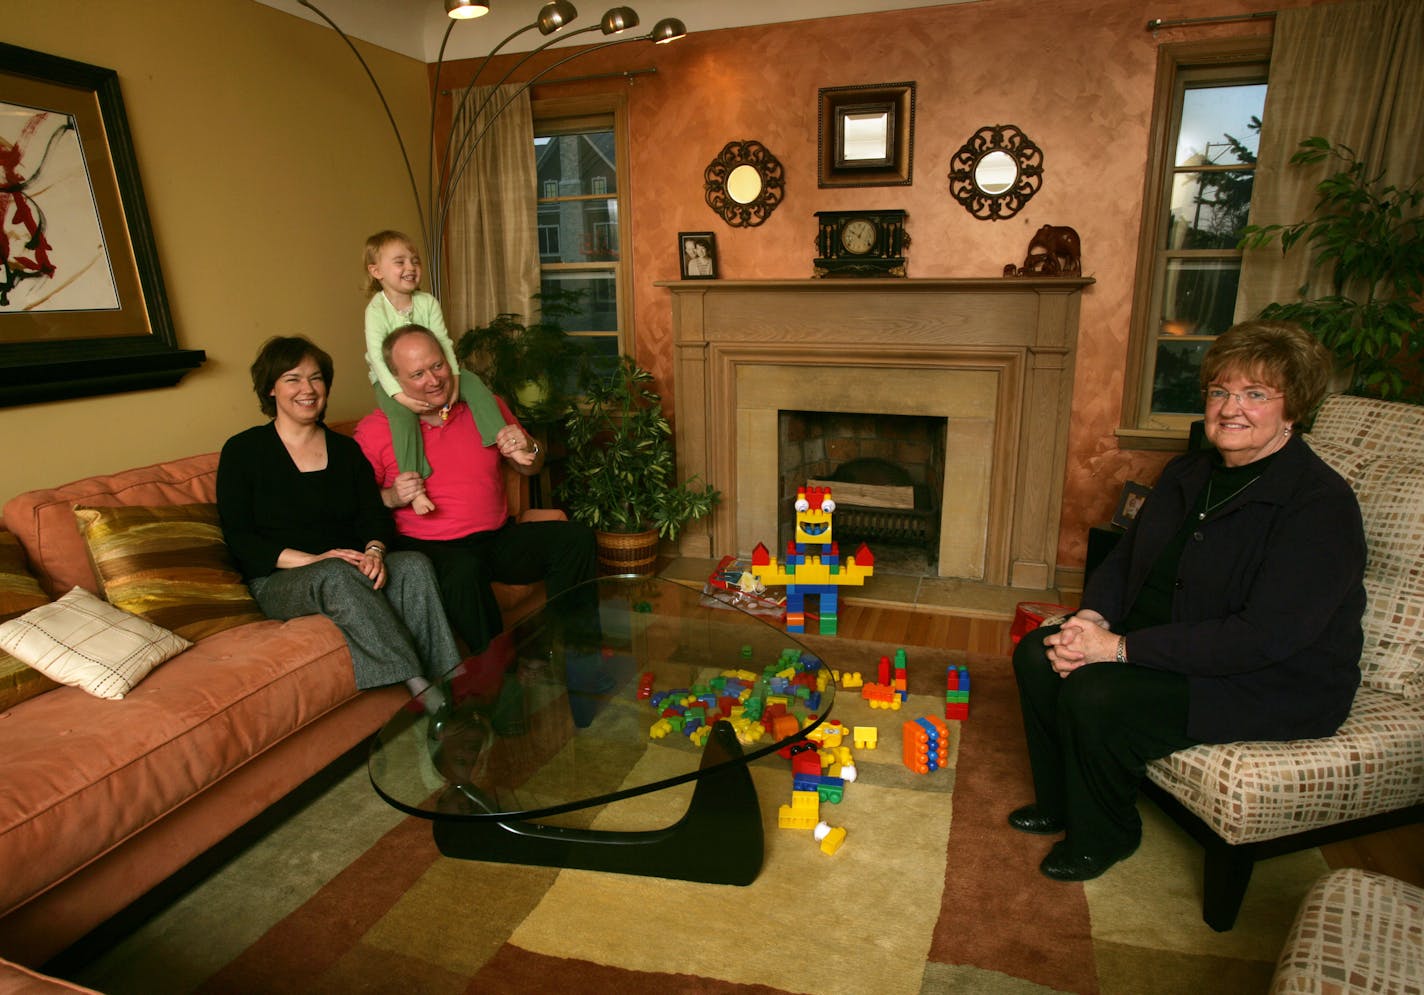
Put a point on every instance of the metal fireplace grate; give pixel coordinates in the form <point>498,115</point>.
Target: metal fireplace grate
<point>918,525</point>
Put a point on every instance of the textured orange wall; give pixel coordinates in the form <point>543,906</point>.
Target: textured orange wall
<point>1075,75</point>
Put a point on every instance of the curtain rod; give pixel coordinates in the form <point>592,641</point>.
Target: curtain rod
<point>1158,22</point>
<point>625,74</point>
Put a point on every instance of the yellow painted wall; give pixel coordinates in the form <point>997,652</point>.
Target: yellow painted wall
<point>266,161</point>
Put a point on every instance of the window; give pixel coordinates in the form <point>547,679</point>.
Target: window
<point>1205,131</point>
<point>580,154</point>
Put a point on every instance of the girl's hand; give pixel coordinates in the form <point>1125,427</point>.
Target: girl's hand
<point>406,401</point>
<point>514,445</point>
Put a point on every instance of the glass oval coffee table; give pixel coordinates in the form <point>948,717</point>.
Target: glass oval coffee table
<point>617,688</point>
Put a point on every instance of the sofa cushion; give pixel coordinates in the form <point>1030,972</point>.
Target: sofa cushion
<point>168,564</point>
<point>82,775</point>
<point>1254,791</point>
<point>19,592</point>
<point>87,643</point>
<point>43,520</point>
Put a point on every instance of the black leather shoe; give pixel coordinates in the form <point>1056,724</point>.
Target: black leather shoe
<point>1064,864</point>
<point>1032,819</point>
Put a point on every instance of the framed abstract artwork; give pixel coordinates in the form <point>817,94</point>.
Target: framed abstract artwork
<point>82,305</point>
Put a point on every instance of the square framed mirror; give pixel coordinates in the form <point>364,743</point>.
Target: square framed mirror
<point>866,135</point>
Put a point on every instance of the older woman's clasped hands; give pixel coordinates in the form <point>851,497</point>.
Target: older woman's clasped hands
<point>1083,638</point>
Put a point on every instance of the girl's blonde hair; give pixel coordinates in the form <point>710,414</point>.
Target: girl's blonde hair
<point>374,245</point>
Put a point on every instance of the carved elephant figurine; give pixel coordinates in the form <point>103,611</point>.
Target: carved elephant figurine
<point>1054,250</point>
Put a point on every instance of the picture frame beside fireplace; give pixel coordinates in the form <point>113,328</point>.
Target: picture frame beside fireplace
<point>1129,503</point>
<point>83,310</point>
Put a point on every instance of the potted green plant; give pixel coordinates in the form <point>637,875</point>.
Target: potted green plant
<point>620,475</point>
<point>532,366</point>
<point>1368,240</point>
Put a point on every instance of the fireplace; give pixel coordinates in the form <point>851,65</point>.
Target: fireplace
<point>993,358</point>
<point>886,474</point>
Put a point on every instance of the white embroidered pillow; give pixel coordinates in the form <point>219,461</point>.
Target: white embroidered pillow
<point>87,643</point>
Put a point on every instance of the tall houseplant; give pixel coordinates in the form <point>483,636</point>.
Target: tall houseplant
<point>1367,240</point>
<point>532,366</point>
<point>621,476</point>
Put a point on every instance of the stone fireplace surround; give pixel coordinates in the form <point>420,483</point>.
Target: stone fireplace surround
<point>992,356</point>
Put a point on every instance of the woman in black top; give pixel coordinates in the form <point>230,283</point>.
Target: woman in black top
<point>303,517</point>
<point>1229,611</point>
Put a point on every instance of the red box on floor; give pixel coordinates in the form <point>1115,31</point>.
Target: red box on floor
<point>1029,615</point>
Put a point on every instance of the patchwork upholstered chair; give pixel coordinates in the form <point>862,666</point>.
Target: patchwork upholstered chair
<point>1247,801</point>
<point>1356,931</point>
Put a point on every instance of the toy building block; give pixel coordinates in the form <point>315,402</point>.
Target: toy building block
<point>865,737</point>
<point>852,680</point>
<point>880,696</point>
<point>806,762</point>
<point>803,812</point>
<point>830,837</point>
<point>828,789</point>
<point>645,686</point>
<point>925,744</point>
<point>956,695</point>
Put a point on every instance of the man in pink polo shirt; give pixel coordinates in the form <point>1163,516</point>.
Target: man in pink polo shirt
<point>469,537</point>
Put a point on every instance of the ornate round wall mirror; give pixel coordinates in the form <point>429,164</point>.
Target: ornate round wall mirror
<point>744,184</point>
<point>996,172</point>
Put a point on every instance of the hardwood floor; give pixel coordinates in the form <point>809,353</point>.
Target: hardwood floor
<point>1398,852</point>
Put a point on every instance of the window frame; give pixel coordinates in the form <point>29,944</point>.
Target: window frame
<point>572,114</point>
<point>1243,60</point>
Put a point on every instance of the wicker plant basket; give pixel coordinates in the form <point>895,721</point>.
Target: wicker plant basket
<point>628,552</point>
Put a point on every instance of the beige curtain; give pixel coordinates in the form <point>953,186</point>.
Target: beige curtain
<point>492,238</point>
<point>1352,73</point>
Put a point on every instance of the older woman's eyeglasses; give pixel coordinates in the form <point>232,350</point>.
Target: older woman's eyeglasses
<point>1253,398</point>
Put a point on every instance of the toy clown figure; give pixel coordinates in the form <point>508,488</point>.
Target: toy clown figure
<point>813,562</point>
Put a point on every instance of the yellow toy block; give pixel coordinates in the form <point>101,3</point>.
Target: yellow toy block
<point>830,837</point>
<point>699,735</point>
<point>803,812</point>
<point>865,737</point>
<point>659,729</point>
<point>851,681</point>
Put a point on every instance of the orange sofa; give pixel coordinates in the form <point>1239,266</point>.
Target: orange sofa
<point>102,800</point>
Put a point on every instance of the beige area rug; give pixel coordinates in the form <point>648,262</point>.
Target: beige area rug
<point>930,893</point>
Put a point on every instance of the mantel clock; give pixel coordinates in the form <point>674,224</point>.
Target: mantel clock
<point>860,243</point>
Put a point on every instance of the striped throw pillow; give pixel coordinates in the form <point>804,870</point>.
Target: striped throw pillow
<point>168,564</point>
<point>19,592</point>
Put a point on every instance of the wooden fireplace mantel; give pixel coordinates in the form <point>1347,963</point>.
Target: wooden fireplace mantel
<point>994,356</point>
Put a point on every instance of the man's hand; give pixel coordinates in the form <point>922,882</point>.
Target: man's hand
<point>515,446</point>
<point>406,488</point>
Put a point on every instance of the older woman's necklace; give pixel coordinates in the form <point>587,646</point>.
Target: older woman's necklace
<point>1208,507</point>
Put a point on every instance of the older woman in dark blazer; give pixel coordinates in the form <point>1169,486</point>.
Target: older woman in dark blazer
<point>1229,611</point>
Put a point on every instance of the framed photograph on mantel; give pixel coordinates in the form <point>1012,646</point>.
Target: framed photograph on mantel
<point>867,135</point>
<point>698,250</point>
<point>82,305</point>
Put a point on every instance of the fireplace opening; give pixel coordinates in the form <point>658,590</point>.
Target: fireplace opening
<point>886,474</point>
